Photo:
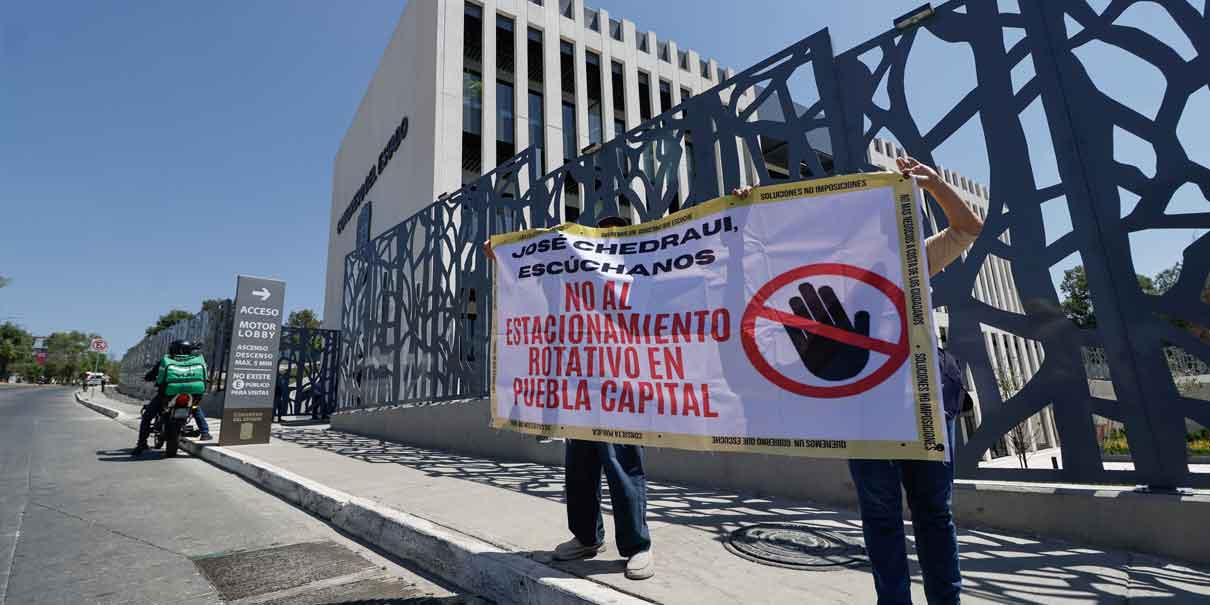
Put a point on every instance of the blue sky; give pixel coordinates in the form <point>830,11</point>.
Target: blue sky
<point>149,152</point>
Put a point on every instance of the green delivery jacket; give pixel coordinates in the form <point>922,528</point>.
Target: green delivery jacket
<point>182,374</point>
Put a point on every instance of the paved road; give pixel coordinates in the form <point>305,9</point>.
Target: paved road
<point>80,522</point>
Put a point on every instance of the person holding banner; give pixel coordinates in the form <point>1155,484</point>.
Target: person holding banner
<point>622,464</point>
<point>928,484</point>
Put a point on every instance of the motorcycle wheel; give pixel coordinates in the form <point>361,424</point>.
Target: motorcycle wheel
<point>172,439</point>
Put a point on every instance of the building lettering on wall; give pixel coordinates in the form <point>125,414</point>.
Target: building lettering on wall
<point>384,158</point>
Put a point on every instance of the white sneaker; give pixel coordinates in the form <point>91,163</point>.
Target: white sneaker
<point>573,549</point>
<point>640,566</point>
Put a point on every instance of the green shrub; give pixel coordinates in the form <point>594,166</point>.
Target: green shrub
<point>1198,443</point>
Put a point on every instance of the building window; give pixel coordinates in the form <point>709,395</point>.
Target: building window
<point>472,103</point>
<point>506,101</point>
<point>665,96</point>
<point>570,140</point>
<point>683,59</point>
<point>472,92</point>
<point>567,67</point>
<point>567,63</point>
<point>644,115</point>
<point>596,132</point>
<point>644,96</point>
<point>505,47</point>
<point>664,55</point>
<point>705,69</point>
<point>685,94</point>
<point>506,122</point>
<point>592,19</point>
<point>615,29</point>
<point>538,2</point>
<point>537,136</point>
<point>619,98</point>
<point>878,145</point>
<point>640,42</point>
<point>566,7</point>
<point>534,59</point>
<point>537,132</point>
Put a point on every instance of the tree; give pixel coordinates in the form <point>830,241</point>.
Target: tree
<point>16,347</point>
<point>1164,280</point>
<point>168,320</point>
<point>1020,436</point>
<point>1077,300</point>
<point>66,354</point>
<point>214,304</point>
<point>303,318</point>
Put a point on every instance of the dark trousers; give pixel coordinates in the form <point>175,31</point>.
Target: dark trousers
<point>150,410</point>
<point>929,487</point>
<point>155,406</point>
<point>623,466</point>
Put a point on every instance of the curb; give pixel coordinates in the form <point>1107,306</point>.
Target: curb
<point>462,560</point>
<point>96,407</point>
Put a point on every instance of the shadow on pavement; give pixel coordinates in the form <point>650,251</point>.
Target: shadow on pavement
<point>997,567</point>
<point>123,455</point>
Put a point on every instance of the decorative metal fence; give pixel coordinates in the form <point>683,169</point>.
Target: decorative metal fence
<point>307,362</point>
<point>306,372</point>
<point>416,301</point>
<point>417,298</point>
<point>211,328</point>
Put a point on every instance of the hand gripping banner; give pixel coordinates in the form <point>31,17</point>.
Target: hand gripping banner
<point>796,321</point>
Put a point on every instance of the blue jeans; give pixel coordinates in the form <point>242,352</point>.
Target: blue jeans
<point>200,418</point>
<point>623,466</point>
<point>929,487</point>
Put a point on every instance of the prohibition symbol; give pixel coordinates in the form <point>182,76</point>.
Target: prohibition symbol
<point>896,352</point>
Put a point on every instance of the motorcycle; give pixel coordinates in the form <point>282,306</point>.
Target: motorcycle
<point>174,421</point>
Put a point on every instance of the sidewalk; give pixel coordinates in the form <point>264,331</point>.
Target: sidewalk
<point>517,508</point>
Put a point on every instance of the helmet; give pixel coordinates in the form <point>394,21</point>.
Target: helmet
<point>181,347</point>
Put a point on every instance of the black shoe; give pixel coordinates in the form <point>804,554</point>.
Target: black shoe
<point>204,437</point>
<point>138,450</point>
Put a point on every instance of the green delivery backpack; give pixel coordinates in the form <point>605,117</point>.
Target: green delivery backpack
<point>182,374</point>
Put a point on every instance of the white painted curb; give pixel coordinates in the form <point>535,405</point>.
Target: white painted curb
<point>463,560</point>
<point>96,407</point>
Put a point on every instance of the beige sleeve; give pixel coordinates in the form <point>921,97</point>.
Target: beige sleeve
<point>946,246</point>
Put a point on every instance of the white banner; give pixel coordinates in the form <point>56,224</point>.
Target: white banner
<point>796,321</point>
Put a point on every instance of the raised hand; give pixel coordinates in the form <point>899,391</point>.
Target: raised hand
<point>824,357</point>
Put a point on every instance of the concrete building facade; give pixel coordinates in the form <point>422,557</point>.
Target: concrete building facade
<point>465,85</point>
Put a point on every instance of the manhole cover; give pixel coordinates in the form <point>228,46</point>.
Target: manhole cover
<point>256,572</point>
<point>795,546</point>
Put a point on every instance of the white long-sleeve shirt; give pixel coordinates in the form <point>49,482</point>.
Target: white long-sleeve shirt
<point>945,246</point>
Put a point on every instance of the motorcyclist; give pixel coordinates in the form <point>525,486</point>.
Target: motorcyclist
<point>181,353</point>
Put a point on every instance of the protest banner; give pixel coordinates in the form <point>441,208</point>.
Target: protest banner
<point>796,321</point>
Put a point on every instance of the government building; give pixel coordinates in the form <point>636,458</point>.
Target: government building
<point>463,86</point>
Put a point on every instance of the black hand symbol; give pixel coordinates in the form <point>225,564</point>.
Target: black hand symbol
<point>824,357</point>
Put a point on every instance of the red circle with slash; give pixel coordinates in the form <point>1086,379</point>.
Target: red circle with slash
<point>896,352</point>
